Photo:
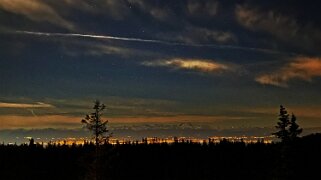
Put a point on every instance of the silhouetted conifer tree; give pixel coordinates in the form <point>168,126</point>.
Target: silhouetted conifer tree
<point>31,142</point>
<point>282,125</point>
<point>94,123</point>
<point>294,129</point>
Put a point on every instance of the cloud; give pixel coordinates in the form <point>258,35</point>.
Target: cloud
<point>193,35</point>
<point>116,106</point>
<point>35,10</point>
<point>116,9</point>
<point>202,8</point>
<point>60,121</point>
<point>301,111</point>
<point>99,49</point>
<point>272,22</point>
<point>164,13</point>
<point>21,105</point>
<point>200,65</point>
<point>285,28</point>
<point>303,68</point>
<point>14,121</point>
<point>156,12</point>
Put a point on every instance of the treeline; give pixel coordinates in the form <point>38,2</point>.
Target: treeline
<point>297,159</point>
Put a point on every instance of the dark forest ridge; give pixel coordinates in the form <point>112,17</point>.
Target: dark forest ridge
<point>224,160</point>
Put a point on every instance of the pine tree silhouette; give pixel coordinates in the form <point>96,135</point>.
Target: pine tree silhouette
<point>94,123</point>
<point>282,125</point>
<point>294,129</point>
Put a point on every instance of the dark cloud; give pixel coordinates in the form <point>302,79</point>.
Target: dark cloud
<point>202,8</point>
<point>284,28</point>
<point>196,35</point>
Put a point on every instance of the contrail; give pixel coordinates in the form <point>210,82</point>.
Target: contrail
<point>92,36</point>
<point>150,41</point>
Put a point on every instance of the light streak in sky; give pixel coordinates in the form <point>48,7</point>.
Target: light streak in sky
<point>171,43</point>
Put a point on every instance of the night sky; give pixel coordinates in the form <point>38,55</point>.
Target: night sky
<point>219,64</point>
